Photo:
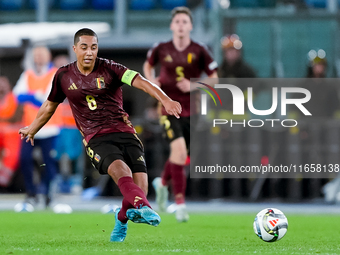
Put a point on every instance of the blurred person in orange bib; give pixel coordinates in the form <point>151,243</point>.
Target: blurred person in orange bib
<point>10,116</point>
<point>32,90</point>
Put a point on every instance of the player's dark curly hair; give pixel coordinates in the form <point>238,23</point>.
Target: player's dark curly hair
<point>181,9</point>
<point>83,31</point>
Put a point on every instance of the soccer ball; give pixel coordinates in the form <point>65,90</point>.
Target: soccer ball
<point>270,225</point>
<point>23,207</point>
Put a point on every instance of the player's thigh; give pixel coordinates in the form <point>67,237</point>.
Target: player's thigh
<point>103,151</point>
<point>178,151</point>
<point>177,133</point>
<point>172,128</point>
<point>134,157</point>
<point>134,153</point>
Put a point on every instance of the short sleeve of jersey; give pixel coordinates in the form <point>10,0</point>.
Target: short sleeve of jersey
<point>209,64</point>
<point>57,94</point>
<point>124,74</point>
<point>152,55</point>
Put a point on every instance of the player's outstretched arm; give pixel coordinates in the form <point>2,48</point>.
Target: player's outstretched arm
<point>44,114</point>
<point>149,73</point>
<point>171,107</point>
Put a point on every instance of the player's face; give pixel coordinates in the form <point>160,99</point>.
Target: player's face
<point>86,51</point>
<point>181,25</point>
<point>319,70</point>
<point>232,54</point>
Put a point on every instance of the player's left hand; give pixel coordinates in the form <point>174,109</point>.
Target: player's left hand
<point>172,107</point>
<point>183,85</point>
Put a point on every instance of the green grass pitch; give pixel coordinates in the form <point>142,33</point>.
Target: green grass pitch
<point>88,233</point>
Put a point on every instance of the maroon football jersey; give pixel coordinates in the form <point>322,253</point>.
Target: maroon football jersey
<point>189,63</point>
<point>96,99</point>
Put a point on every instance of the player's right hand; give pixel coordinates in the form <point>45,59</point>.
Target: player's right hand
<point>24,134</point>
<point>173,108</point>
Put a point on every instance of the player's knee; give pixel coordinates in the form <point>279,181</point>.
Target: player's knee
<point>118,169</point>
<point>178,157</point>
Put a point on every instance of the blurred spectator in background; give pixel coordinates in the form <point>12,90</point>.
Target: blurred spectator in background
<point>32,90</point>
<point>324,105</point>
<point>317,65</point>
<point>233,65</point>
<point>324,102</point>
<point>69,146</point>
<point>61,60</point>
<point>10,117</point>
<point>314,130</point>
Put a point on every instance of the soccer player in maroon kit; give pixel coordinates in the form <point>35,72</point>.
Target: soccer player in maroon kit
<point>93,87</point>
<point>180,59</point>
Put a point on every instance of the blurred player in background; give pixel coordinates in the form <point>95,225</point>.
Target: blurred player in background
<point>180,59</point>
<point>10,119</point>
<point>93,87</point>
<point>32,90</point>
<point>233,65</point>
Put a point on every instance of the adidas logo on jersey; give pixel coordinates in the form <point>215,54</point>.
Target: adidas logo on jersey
<point>73,87</point>
<point>168,58</point>
<point>141,158</point>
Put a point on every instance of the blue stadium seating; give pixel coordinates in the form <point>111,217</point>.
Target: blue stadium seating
<point>142,4</point>
<point>73,4</point>
<point>244,3</point>
<point>208,4</point>
<point>316,3</point>
<point>11,4</point>
<point>170,4</point>
<point>103,4</point>
<point>267,3</point>
<point>32,4</point>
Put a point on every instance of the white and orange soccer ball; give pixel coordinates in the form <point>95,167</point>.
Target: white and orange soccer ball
<point>270,225</point>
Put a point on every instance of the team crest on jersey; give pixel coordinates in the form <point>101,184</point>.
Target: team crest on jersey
<point>168,58</point>
<point>100,83</point>
<point>191,56</point>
